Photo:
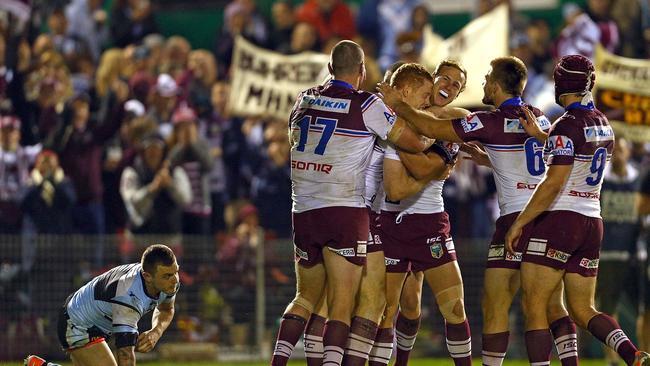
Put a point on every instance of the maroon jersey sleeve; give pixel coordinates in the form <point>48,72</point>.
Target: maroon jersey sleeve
<point>472,127</point>
<point>564,139</point>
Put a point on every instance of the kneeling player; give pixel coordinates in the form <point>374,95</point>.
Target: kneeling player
<point>111,304</point>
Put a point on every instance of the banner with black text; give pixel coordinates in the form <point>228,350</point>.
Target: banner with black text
<point>266,83</point>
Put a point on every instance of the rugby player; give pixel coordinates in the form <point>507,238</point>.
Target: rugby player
<point>564,238</point>
<point>333,129</point>
<point>111,304</point>
<point>516,160</point>
<point>420,201</point>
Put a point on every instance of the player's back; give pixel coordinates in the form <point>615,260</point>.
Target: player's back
<point>584,138</point>
<point>332,137</point>
<point>516,158</point>
<point>92,304</point>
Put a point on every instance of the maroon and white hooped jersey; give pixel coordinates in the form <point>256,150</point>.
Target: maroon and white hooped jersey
<point>332,130</point>
<point>516,157</point>
<point>582,137</point>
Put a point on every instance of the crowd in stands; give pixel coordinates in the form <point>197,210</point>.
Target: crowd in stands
<point>109,127</point>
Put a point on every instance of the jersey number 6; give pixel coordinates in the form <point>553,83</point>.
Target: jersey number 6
<point>534,156</point>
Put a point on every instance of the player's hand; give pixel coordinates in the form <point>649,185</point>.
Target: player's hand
<point>147,341</point>
<point>389,94</point>
<point>476,154</point>
<point>512,238</point>
<point>531,126</point>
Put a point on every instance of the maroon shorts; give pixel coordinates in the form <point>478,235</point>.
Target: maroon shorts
<point>565,240</point>
<point>415,242</point>
<point>343,230</point>
<point>374,242</point>
<point>498,256</point>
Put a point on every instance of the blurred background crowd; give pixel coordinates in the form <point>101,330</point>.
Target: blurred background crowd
<point>112,128</point>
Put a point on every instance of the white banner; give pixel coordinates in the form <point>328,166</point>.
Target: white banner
<point>469,6</point>
<point>266,83</point>
<point>480,41</point>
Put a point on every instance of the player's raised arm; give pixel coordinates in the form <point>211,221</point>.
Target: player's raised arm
<point>431,164</point>
<point>422,122</point>
<point>402,136</point>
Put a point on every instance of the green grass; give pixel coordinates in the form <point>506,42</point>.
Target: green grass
<point>415,362</point>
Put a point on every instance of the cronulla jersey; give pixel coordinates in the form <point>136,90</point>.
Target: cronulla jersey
<point>581,137</point>
<point>429,200</point>
<point>516,158</point>
<point>375,194</point>
<point>114,301</point>
<point>333,129</point>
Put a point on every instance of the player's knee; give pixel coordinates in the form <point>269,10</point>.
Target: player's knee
<point>303,302</point>
<point>451,304</point>
<point>410,305</point>
<point>555,311</point>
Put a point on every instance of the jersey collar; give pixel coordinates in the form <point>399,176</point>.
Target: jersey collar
<point>589,106</point>
<point>341,83</point>
<point>512,102</point>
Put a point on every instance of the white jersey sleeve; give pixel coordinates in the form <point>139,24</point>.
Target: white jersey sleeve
<point>377,117</point>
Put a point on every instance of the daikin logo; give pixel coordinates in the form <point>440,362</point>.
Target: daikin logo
<point>599,133</point>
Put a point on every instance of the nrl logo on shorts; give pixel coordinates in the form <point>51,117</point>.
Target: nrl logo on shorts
<point>589,263</point>
<point>436,250</point>
<point>557,255</point>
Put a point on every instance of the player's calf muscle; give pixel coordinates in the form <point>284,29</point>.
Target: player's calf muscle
<point>125,356</point>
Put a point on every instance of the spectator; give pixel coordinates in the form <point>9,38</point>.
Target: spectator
<point>580,34</point>
<point>632,18</point>
<point>191,152</point>
<point>329,17</point>
<point>175,55</point>
<point>131,21</point>
<point>304,38</point>
<point>196,83</point>
<point>154,193</point>
<point>87,21</point>
<point>163,102</point>
<point>68,45</point>
<point>15,162</point>
<point>49,199</point>
<point>283,24</point>
<point>155,43</point>
<point>600,12</point>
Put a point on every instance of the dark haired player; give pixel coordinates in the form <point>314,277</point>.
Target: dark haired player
<point>516,159</point>
<point>111,304</point>
<point>565,232</point>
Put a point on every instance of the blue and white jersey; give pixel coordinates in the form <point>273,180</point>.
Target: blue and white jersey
<point>114,301</point>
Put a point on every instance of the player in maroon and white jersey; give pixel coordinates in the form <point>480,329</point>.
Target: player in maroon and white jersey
<point>516,159</point>
<point>333,129</point>
<point>566,229</point>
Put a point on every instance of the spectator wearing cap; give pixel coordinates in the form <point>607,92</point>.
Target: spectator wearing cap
<point>15,162</point>
<point>49,199</point>
<point>329,17</point>
<point>155,193</point>
<point>79,141</point>
<point>131,21</point>
<point>192,153</point>
<point>163,102</point>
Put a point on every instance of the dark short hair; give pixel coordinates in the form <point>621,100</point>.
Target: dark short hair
<point>346,57</point>
<point>411,74</point>
<point>456,65</point>
<point>391,70</point>
<point>155,255</point>
<point>510,73</point>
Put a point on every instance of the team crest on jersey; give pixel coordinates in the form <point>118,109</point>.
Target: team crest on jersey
<point>558,255</point>
<point>560,146</point>
<point>436,250</point>
<point>589,263</point>
<point>377,239</point>
<point>599,133</point>
<point>326,104</point>
<point>471,123</point>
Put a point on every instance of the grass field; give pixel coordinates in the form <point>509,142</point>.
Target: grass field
<point>415,362</point>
